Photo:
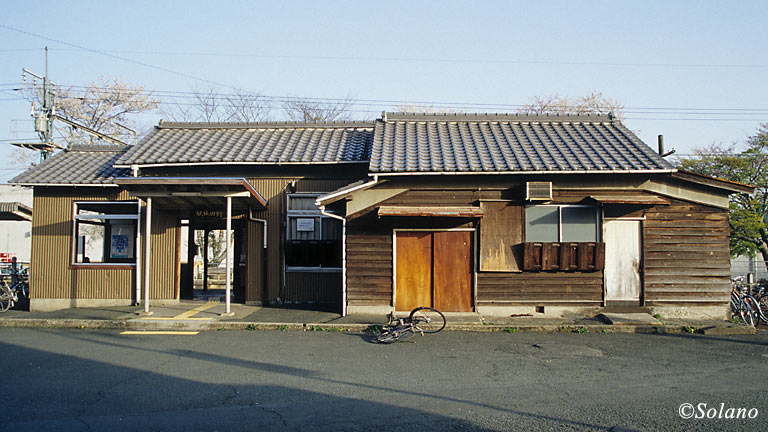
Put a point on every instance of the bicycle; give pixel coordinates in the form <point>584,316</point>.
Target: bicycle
<point>9,294</point>
<point>421,320</point>
<point>744,305</point>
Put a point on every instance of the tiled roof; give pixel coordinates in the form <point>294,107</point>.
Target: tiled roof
<point>466,143</point>
<point>252,143</point>
<point>79,165</point>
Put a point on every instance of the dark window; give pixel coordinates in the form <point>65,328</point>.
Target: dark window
<point>313,241</point>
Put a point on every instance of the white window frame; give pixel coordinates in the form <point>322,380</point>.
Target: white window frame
<point>308,214</point>
<point>598,219</point>
<point>117,216</point>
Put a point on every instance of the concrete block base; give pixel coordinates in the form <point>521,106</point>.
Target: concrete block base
<point>536,311</point>
<point>48,304</point>
<point>721,312</point>
<point>369,310</point>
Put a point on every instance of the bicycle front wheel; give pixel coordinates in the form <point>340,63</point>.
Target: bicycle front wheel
<point>762,303</point>
<point>748,312</point>
<point>6,298</point>
<point>427,319</point>
<point>395,335</point>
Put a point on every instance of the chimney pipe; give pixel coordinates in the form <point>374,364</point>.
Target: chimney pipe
<point>661,144</point>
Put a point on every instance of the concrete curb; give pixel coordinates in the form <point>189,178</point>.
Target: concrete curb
<point>146,325</point>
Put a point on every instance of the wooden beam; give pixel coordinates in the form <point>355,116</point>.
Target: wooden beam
<point>461,211</point>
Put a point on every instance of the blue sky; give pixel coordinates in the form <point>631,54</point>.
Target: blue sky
<point>694,71</point>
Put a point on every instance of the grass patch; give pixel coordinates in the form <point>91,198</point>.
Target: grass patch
<point>510,330</point>
<point>581,330</point>
<point>324,329</point>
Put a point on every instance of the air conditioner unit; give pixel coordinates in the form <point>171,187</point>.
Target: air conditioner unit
<point>538,191</point>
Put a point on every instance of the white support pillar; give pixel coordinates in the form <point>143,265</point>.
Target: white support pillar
<point>148,235</point>
<point>228,258</point>
<point>137,254</point>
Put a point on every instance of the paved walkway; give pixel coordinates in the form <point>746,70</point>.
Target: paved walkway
<point>209,315</point>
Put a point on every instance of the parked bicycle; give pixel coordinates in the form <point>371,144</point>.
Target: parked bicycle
<point>421,320</point>
<point>749,303</point>
<point>14,286</point>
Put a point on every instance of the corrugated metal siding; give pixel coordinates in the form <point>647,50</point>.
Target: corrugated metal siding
<point>308,287</point>
<point>51,275</point>
<point>274,191</point>
<point>686,254</point>
<point>255,264</point>
<point>163,269</point>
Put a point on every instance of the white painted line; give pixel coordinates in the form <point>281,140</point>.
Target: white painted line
<point>157,332</point>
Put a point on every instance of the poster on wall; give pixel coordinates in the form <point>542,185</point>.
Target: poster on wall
<point>121,241</point>
<point>305,225</point>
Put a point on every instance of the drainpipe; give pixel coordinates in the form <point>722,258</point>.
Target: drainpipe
<point>343,257</point>
<point>264,221</point>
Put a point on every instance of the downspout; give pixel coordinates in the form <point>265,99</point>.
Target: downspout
<point>264,221</point>
<point>343,257</point>
<point>344,241</point>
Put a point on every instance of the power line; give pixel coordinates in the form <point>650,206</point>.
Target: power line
<point>357,58</point>
<point>178,94</point>
<point>151,66</point>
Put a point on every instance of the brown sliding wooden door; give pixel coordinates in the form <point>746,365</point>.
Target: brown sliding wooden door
<point>434,269</point>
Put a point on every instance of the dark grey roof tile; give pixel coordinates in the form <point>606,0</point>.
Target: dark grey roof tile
<point>269,142</point>
<point>507,143</point>
<point>79,165</point>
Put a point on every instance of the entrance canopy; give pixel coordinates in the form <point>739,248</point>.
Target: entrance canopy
<point>194,192</point>
<point>15,211</point>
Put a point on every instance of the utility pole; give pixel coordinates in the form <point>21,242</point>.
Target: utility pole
<point>44,115</point>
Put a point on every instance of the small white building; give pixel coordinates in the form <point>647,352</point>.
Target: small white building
<point>743,265</point>
<point>15,222</point>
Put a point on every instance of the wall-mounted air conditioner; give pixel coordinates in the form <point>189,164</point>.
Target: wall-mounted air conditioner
<point>538,191</point>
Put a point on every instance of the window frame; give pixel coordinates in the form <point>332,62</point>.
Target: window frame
<point>598,220</point>
<point>116,216</point>
<point>298,214</point>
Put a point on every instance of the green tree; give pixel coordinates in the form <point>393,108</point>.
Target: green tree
<point>749,213</point>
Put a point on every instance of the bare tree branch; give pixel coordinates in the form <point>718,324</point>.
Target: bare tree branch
<point>593,103</point>
<point>298,109</point>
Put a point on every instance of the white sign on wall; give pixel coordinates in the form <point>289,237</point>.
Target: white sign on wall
<point>305,225</point>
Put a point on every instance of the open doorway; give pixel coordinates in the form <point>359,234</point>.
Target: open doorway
<point>203,262</point>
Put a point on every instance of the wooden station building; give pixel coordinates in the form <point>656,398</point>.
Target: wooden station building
<point>492,213</point>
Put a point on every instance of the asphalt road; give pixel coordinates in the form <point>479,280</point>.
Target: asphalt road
<point>81,380</point>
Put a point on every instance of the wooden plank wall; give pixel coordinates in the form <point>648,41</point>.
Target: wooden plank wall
<point>369,263</point>
<point>548,287</point>
<point>686,254</point>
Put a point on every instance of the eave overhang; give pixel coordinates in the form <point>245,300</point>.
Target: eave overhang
<point>15,211</point>
<point>193,191</point>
